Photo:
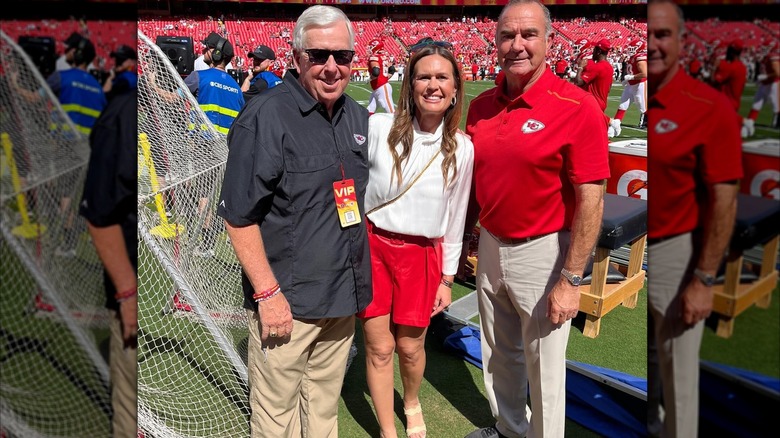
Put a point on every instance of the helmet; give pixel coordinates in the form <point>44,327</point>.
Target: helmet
<point>586,53</point>
<point>636,46</point>
<point>582,43</point>
<point>375,45</point>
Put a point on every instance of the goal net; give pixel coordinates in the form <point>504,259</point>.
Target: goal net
<point>52,317</point>
<point>192,329</point>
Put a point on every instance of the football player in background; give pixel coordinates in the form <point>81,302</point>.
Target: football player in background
<point>377,67</point>
<point>634,84</point>
<point>768,88</point>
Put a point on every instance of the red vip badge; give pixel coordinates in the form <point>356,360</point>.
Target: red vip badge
<point>346,202</point>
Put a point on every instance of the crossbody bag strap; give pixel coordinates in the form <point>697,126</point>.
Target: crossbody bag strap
<point>407,187</point>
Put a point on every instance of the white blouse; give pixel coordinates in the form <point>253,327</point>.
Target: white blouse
<point>427,209</point>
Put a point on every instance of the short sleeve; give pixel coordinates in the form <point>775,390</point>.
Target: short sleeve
<point>588,150</point>
<point>110,189</point>
<point>54,81</point>
<point>252,173</point>
<point>192,81</point>
<point>721,153</point>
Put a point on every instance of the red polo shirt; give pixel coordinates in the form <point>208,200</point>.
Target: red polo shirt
<point>730,78</point>
<point>529,151</point>
<point>598,81</point>
<point>695,137</point>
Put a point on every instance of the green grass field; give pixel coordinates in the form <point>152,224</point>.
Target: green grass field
<point>452,391</point>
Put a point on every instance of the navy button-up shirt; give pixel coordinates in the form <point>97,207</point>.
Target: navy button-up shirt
<point>285,154</point>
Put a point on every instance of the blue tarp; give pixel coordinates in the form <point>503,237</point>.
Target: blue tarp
<point>730,403</point>
<point>601,408</point>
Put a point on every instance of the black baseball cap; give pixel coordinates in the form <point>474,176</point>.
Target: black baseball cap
<point>73,40</point>
<point>212,40</point>
<point>123,53</point>
<point>262,52</point>
<point>227,49</point>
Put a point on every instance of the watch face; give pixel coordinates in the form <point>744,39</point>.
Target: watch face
<point>576,280</point>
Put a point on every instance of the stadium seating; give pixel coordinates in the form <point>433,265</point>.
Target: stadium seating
<point>106,35</point>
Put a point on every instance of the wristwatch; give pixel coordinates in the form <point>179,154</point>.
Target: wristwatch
<point>574,279</point>
<point>705,278</point>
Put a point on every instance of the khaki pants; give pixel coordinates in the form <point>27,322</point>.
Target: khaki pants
<point>123,363</point>
<point>520,346</point>
<point>673,347</point>
<point>295,386</point>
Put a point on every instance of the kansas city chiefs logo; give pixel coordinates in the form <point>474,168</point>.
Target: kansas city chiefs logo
<point>664,126</point>
<point>360,139</point>
<point>532,125</point>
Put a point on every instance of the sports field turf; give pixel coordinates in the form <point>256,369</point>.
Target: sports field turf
<point>452,392</point>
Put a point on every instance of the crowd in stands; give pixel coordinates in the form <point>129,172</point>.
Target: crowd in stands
<point>105,35</point>
<point>707,42</point>
<point>472,37</point>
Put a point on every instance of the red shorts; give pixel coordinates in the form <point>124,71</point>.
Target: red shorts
<point>406,272</point>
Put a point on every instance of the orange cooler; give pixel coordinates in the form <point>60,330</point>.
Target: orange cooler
<point>628,168</point>
<point>761,164</point>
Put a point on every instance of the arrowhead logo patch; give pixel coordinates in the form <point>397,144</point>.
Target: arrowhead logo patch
<point>359,139</point>
<point>664,126</point>
<point>532,125</point>
<point>222,203</point>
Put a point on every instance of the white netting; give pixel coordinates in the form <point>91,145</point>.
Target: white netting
<point>192,329</point>
<point>54,380</point>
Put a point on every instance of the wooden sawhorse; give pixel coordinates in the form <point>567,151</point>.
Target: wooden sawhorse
<point>756,224</point>
<point>624,222</point>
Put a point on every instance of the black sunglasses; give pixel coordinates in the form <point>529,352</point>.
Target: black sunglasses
<point>420,45</point>
<point>320,56</point>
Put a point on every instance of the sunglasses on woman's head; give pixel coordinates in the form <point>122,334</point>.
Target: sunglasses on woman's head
<point>420,45</point>
<point>320,56</point>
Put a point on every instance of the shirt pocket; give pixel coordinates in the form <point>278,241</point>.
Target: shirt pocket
<point>309,180</point>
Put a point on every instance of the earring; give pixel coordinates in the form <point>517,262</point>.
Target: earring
<point>454,100</point>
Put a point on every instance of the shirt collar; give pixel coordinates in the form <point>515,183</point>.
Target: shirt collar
<point>427,137</point>
<point>530,97</point>
<point>306,103</point>
<point>664,96</point>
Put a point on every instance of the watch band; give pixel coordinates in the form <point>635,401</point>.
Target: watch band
<point>573,278</point>
<point>706,279</point>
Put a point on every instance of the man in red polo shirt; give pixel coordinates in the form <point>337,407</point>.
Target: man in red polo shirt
<point>731,74</point>
<point>594,75</point>
<point>694,164</point>
<point>539,174</point>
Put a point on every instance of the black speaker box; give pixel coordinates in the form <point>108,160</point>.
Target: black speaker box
<point>42,51</point>
<point>179,51</point>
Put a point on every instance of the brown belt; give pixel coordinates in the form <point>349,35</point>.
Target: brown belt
<point>656,240</point>
<point>517,241</point>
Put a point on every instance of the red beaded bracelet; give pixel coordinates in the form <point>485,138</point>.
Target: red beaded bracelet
<point>122,296</point>
<point>267,294</point>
